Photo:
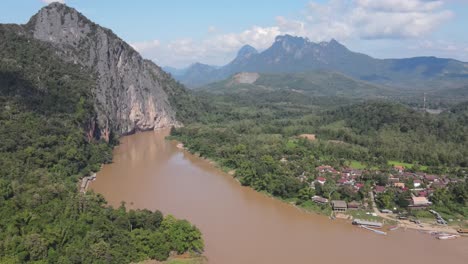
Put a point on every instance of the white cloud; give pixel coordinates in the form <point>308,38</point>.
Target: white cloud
<point>375,19</point>
<point>51,1</point>
<point>400,5</point>
<point>146,45</point>
<point>344,20</point>
<point>216,49</point>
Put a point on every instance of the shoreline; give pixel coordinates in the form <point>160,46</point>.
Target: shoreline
<point>424,227</point>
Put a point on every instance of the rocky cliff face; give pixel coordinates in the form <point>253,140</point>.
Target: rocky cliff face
<point>130,92</point>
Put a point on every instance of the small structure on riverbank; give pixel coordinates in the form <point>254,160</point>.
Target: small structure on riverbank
<point>354,205</point>
<point>339,206</point>
<point>367,223</point>
<point>85,182</point>
<point>319,199</point>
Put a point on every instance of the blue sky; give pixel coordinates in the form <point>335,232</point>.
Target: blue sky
<point>179,33</point>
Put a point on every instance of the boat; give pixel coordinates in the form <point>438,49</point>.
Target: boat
<point>447,236</point>
<point>367,223</point>
<point>374,230</point>
<point>393,228</point>
<point>462,230</point>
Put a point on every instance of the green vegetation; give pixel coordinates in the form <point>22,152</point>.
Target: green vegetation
<point>309,84</point>
<point>255,133</point>
<point>45,107</point>
<point>407,165</point>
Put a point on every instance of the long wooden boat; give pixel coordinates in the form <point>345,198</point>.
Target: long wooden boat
<point>448,236</point>
<point>374,230</point>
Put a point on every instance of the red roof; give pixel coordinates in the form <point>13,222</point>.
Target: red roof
<point>322,179</point>
<point>379,189</point>
<point>359,185</point>
<point>342,180</point>
<point>430,177</point>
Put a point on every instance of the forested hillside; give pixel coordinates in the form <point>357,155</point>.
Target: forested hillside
<point>396,132</point>
<point>258,135</point>
<point>45,106</point>
<point>310,83</point>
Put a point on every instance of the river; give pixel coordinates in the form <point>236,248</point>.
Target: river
<point>240,225</point>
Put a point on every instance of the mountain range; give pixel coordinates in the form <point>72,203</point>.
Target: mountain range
<point>291,54</point>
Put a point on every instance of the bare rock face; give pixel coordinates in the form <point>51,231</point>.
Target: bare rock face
<point>130,91</point>
<point>245,78</point>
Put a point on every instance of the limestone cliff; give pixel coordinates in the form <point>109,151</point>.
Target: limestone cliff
<point>130,93</point>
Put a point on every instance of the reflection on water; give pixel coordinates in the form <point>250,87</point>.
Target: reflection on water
<point>240,225</point>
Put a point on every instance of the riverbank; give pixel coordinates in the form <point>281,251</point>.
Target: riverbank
<point>186,258</point>
<point>312,208</point>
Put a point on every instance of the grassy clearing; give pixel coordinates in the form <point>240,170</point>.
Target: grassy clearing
<point>406,165</point>
<point>356,165</point>
<point>312,207</point>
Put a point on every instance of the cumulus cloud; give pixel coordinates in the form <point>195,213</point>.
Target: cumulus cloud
<point>376,19</point>
<point>146,45</point>
<point>215,49</point>
<point>339,19</point>
<point>51,1</point>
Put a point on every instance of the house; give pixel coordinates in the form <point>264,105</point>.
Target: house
<point>417,183</point>
<point>393,179</point>
<point>357,173</point>
<point>339,206</point>
<point>379,189</point>
<point>431,178</point>
<point>319,199</point>
<point>420,201</point>
<point>326,168</point>
<point>399,168</point>
<point>354,205</point>
<point>409,175</point>
<point>423,193</point>
<point>400,185</point>
<point>321,180</point>
<point>359,185</point>
<point>342,181</point>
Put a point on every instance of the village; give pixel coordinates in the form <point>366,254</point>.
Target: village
<point>383,199</point>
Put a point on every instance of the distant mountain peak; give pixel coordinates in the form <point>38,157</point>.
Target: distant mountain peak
<point>335,44</point>
<point>60,9</point>
<point>246,51</point>
<point>291,39</point>
<point>198,66</point>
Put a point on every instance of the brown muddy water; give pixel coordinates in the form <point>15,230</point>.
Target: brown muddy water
<point>240,225</point>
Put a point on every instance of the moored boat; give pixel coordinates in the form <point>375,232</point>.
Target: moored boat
<point>447,236</point>
<point>374,230</point>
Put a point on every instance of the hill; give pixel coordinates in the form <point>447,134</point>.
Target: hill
<point>311,84</point>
